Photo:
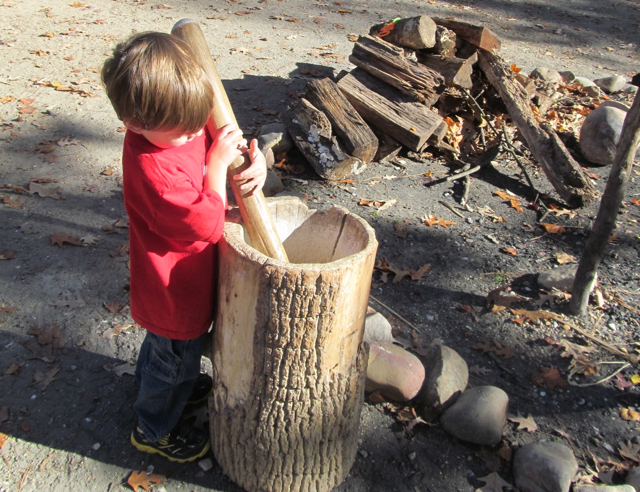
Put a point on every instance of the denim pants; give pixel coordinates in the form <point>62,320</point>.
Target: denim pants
<point>165,373</point>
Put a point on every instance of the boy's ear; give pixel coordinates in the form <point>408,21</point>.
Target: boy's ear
<point>132,127</point>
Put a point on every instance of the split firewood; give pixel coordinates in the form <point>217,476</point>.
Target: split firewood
<point>358,139</point>
<point>388,147</point>
<point>528,84</point>
<point>414,32</point>
<point>481,37</point>
<point>561,169</point>
<point>445,42</point>
<point>389,110</point>
<point>388,63</point>
<point>310,130</point>
<point>456,71</point>
<point>437,139</point>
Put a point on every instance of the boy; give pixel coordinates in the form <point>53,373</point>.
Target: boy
<point>175,195</point>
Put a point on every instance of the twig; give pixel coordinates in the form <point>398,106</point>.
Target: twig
<point>565,435</point>
<point>571,373</point>
<point>24,477</point>
<point>466,184</point>
<point>450,207</point>
<point>512,150</point>
<point>6,463</point>
<point>479,108</point>
<point>625,305</point>
<point>595,325</point>
<point>462,174</point>
<point>393,312</point>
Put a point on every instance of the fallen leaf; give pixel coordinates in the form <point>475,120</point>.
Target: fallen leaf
<point>45,380</point>
<point>68,140</point>
<point>549,377</point>
<point>480,371</point>
<point>635,379</point>
<point>553,228</point>
<point>12,370</point>
<point>494,297</point>
<point>115,331</point>
<point>420,272</point>
<point>7,99</point>
<point>400,231</point>
<point>504,351</point>
<point>44,191</point>
<point>71,303</point>
<point>125,368</point>
<point>122,222</point>
<point>122,250</point>
<point>527,424</point>
<point>88,240</point>
<point>565,258</point>
<point>494,483</point>
<point>59,239</point>
<point>621,383</point>
<point>629,414</point>
<point>431,221</point>
<point>7,255</point>
<point>113,306</point>
<point>515,69</point>
<point>141,479</point>
<point>514,201</point>
<point>511,251</point>
<point>630,450</point>
<point>533,315</point>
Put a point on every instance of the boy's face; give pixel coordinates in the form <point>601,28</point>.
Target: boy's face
<point>164,139</point>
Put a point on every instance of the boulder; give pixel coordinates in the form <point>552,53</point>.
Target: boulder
<point>275,136</point>
<point>560,278</point>
<point>273,184</point>
<point>568,77</point>
<point>377,329</point>
<point>546,74</point>
<point>615,104</point>
<point>446,377</point>
<point>478,415</point>
<point>612,84</point>
<point>584,82</point>
<point>544,466</point>
<point>629,89</point>
<point>600,134</point>
<point>633,478</point>
<point>393,371</point>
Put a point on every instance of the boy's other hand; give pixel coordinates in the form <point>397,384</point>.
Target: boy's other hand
<point>227,145</point>
<point>256,173</point>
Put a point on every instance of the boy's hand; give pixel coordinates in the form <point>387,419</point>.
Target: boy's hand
<point>256,174</point>
<point>227,146</point>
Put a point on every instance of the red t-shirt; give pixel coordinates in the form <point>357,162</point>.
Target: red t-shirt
<point>173,228</point>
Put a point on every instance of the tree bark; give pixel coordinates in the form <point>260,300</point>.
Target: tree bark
<point>358,139</point>
<point>390,111</point>
<point>481,37</point>
<point>414,32</point>
<point>388,63</point>
<point>288,359</point>
<point>608,212</point>
<point>561,169</point>
<point>456,71</point>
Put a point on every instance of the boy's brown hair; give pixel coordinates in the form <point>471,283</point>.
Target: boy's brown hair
<point>155,83</point>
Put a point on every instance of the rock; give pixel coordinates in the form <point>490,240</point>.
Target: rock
<point>615,104</point>
<point>612,84</point>
<point>600,134</point>
<point>568,77</point>
<point>633,478</point>
<point>584,82</point>
<point>544,466</point>
<point>301,196</point>
<point>592,91</point>
<point>393,371</point>
<point>446,377</point>
<point>269,158</point>
<point>560,278</point>
<point>546,74</point>
<point>478,415</point>
<point>604,488</point>
<point>273,185</point>
<point>275,136</point>
<point>377,329</point>
<point>629,89</point>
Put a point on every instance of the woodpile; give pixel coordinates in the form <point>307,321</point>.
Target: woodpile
<point>410,76</point>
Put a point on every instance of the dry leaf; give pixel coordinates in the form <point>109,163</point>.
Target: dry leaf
<point>565,258</point>
<point>431,221</point>
<point>400,231</point>
<point>7,255</point>
<point>511,251</point>
<point>479,371</point>
<point>113,306</point>
<point>122,222</point>
<point>527,424</point>
<point>550,377</point>
<point>420,272</point>
<point>88,240</point>
<point>495,298</point>
<point>141,479</point>
<point>631,451</point>
<point>59,239</point>
<point>494,483</point>
<point>553,228</point>
<point>44,191</point>
<point>629,414</point>
<point>45,380</point>
<point>533,315</point>
<point>12,370</point>
<point>69,303</point>
<point>515,69</point>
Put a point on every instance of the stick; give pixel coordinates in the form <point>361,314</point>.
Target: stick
<point>393,312</point>
<point>610,348</point>
<point>450,207</point>
<point>253,208</point>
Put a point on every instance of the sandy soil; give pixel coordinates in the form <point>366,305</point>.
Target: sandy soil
<point>68,399</point>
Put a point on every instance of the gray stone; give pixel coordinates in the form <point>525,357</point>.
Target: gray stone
<point>269,158</point>
<point>446,377</point>
<point>377,329</point>
<point>568,77</point>
<point>544,466</point>
<point>478,415</point>
<point>614,104</point>
<point>560,278</point>
<point>629,89</point>
<point>584,82</point>
<point>604,488</point>
<point>627,253</point>
<point>611,84</point>
<point>546,74</point>
<point>275,136</point>
<point>273,185</point>
<point>600,134</point>
<point>592,91</point>
<point>633,478</point>
<point>393,371</point>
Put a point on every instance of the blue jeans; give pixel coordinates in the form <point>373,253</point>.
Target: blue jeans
<point>165,372</point>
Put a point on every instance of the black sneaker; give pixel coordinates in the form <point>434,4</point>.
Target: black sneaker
<point>201,389</point>
<point>184,443</point>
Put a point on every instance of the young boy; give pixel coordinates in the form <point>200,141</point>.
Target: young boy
<point>175,196</point>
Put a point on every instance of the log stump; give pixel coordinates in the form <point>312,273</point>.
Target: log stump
<point>288,359</point>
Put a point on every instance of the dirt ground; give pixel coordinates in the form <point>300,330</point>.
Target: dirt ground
<point>66,402</point>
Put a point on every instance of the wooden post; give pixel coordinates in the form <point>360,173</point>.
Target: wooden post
<point>253,207</point>
<point>479,36</point>
<point>288,359</point>
<point>608,211</point>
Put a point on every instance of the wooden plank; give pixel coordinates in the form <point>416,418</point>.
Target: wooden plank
<point>563,172</point>
<point>357,137</point>
<point>456,71</point>
<point>390,111</point>
<point>479,36</point>
<point>311,132</point>
<point>414,32</point>
<point>388,63</point>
